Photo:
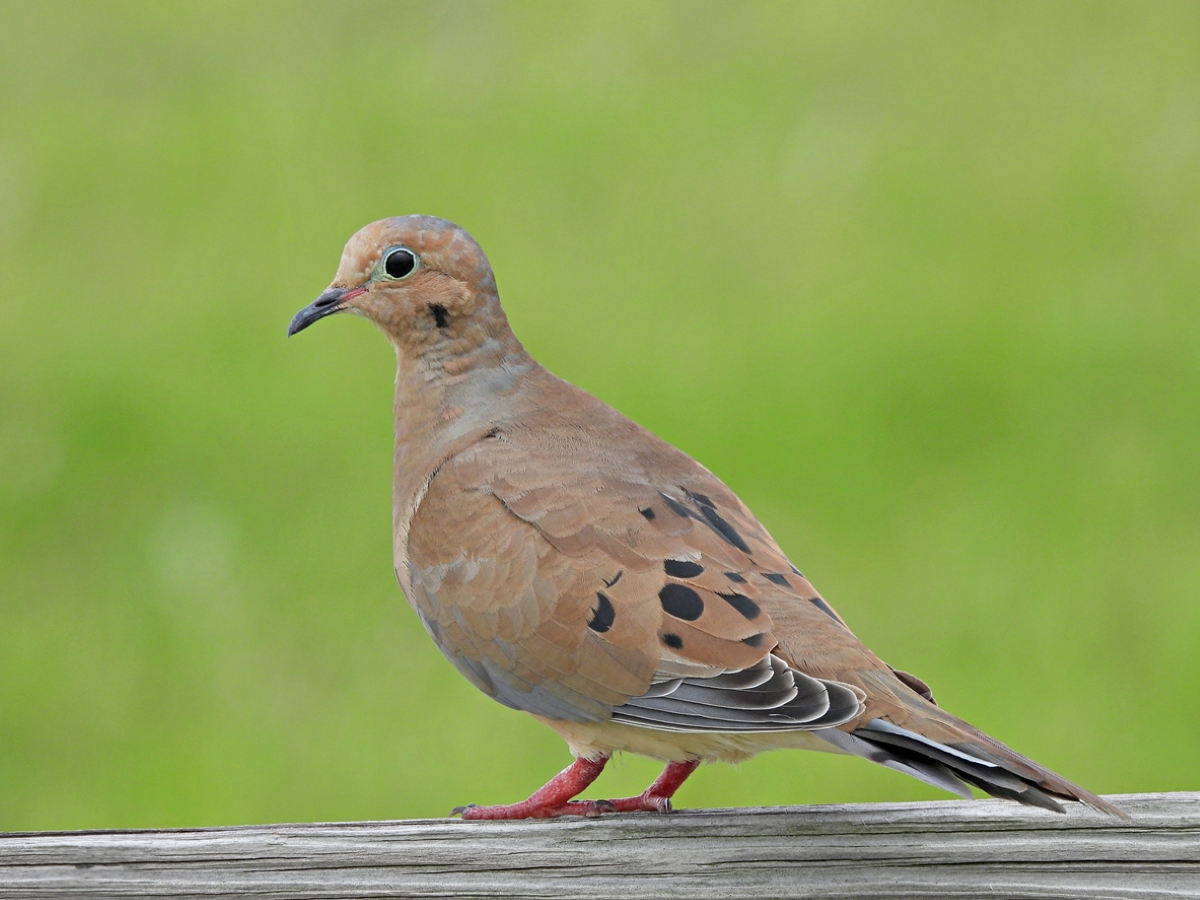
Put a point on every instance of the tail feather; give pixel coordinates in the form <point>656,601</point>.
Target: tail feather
<point>977,760</point>
<point>929,771</point>
<point>880,731</point>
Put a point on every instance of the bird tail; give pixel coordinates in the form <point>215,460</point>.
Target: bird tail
<point>951,754</point>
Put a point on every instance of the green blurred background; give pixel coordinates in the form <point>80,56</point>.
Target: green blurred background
<point>919,280</point>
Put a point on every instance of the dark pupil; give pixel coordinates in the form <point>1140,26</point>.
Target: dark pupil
<point>399,263</point>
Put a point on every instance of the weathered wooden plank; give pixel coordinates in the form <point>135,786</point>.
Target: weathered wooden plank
<point>901,850</point>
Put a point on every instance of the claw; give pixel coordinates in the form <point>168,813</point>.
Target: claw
<point>593,808</point>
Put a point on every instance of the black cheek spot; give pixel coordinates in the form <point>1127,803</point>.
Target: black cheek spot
<point>681,568</point>
<point>675,506</point>
<point>681,602</point>
<point>775,578</point>
<point>755,640</point>
<point>744,605</point>
<point>647,512</point>
<point>673,641</point>
<point>439,314</point>
<point>735,577</point>
<point>603,615</point>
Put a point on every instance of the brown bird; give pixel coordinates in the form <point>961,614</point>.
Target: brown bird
<point>572,565</point>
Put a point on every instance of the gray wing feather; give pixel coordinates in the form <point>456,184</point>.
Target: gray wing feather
<point>768,696</point>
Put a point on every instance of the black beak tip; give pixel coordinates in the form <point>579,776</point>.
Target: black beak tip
<point>325,305</point>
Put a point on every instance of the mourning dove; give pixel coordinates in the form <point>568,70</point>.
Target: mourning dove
<point>572,565</point>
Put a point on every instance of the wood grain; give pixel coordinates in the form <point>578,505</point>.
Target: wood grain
<point>917,850</point>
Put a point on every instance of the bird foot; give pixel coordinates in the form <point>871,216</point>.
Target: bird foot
<point>644,802</point>
<point>554,799</point>
<point>590,809</point>
<point>527,810</point>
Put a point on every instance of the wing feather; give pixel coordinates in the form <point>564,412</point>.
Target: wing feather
<point>582,593</point>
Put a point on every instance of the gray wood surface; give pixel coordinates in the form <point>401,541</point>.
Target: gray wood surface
<point>942,849</point>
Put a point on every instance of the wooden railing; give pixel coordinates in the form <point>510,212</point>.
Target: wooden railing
<point>880,850</point>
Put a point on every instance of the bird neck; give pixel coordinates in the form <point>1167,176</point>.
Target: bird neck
<point>451,391</point>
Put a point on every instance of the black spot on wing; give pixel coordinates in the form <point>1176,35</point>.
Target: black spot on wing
<point>723,528</point>
<point>673,641</point>
<point>744,605</point>
<point>735,577</point>
<point>776,578</point>
<point>603,615</point>
<point>700,499</point>
<point>795,570</point>
<point>615,579</point>
<point>825,608</point>
<point>647,512</point>
<point>682,568</point>
<point>681,601</point>
<point>675,506</point>
<point>755,640</point>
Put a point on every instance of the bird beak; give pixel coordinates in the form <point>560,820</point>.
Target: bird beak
<point>333,300</point>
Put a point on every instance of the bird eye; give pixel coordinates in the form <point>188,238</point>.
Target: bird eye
<point>399,262</point>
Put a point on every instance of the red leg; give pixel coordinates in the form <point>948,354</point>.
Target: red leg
<point>552,799</point>
<point>657,797</point>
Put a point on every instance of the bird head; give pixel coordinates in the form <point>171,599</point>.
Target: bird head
<point>416,277</point>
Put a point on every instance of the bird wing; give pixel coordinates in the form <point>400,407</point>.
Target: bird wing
<point>582,586</point>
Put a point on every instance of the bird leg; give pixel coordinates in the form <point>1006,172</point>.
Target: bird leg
<point>551,800</point>
<point>657,797</point>
<point>554,799</point>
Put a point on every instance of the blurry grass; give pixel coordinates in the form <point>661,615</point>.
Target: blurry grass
<point>918,280</point>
